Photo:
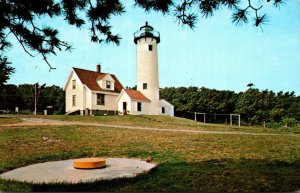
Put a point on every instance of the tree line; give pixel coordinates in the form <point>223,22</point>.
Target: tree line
<point>23,96</point>
<point>256,107</point>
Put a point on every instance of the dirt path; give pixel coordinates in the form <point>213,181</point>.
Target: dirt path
<point>45,122</point>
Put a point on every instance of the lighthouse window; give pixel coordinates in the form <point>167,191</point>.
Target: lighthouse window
<point>144,86</point>
<point>139,106</point>
<point>150,47</point>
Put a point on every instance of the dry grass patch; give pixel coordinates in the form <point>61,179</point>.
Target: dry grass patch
<point>9,120</point>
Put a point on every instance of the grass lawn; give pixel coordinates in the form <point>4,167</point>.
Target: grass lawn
<point>9,120</point>
<point>186,161</point>
<point>165,122</point>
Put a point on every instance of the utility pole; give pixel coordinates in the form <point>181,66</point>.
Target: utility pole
<point>35,89</point>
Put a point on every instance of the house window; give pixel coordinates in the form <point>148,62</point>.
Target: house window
<point>108,84</point>
<point>100,99</point>
<point>163,110</point>
<point>150,47</point>
<point>139,106</point>
<point>74,100</point>
<point>74,84</point>
<point>144,86</point>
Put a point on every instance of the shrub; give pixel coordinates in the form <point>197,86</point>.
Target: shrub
<point>289,122</point>
<point>274,125</point>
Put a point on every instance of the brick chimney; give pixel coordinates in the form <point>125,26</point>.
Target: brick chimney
<point>98,68</point>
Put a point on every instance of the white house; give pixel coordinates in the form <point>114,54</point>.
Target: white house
<point>91,91</point>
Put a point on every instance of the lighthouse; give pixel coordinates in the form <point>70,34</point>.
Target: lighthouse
<point>145,100</point>
<point>147,40</point>
<point>96,91</point>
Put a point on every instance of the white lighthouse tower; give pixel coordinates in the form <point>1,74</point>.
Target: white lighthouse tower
<point>145,100</point>
<point>146,40</point>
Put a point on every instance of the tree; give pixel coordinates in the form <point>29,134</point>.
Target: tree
<point>5,71</point>
<point>49,96</point>
<point>52,96</point>
<point>27,93</point>
<point>250,85</point>
<point>10,97</point>
<point>192,99</point>
<point>20,18</point>
<point>249,105</point>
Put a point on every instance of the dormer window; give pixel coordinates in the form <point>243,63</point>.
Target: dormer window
<point>108,84</point>
<point>74,84</point>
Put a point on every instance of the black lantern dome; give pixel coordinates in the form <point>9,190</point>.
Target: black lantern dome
<point>146,31</point>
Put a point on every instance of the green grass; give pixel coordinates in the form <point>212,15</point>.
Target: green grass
<point>186,161</point>
<point>165,122</point>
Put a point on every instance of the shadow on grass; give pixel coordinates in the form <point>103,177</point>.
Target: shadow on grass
<point>208,176</point>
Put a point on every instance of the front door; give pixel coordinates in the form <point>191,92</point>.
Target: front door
<point>124,108</point>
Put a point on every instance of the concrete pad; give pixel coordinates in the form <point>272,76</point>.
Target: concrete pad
<point>63,171</point>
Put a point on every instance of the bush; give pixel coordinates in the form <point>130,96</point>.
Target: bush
<point>289,122</point>
<point>274,125</point>
<point>26,112</point>
<point>285,122</point>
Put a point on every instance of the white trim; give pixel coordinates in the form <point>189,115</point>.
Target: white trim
<point>86,87</point>
<point>146,101</point>
<point>166,102</point>
<point>120,94</point>
<point>107,74</point>
<point>68,80</point>
<point>104,92</point>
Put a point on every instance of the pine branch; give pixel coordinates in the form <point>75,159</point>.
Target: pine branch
<point>21,43</point>
<point>46,60</point>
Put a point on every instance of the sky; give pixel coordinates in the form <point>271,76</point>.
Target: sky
<point>217,54</point>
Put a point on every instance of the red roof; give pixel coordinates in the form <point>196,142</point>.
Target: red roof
<point>89,78</point>
<point>136,95</point>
